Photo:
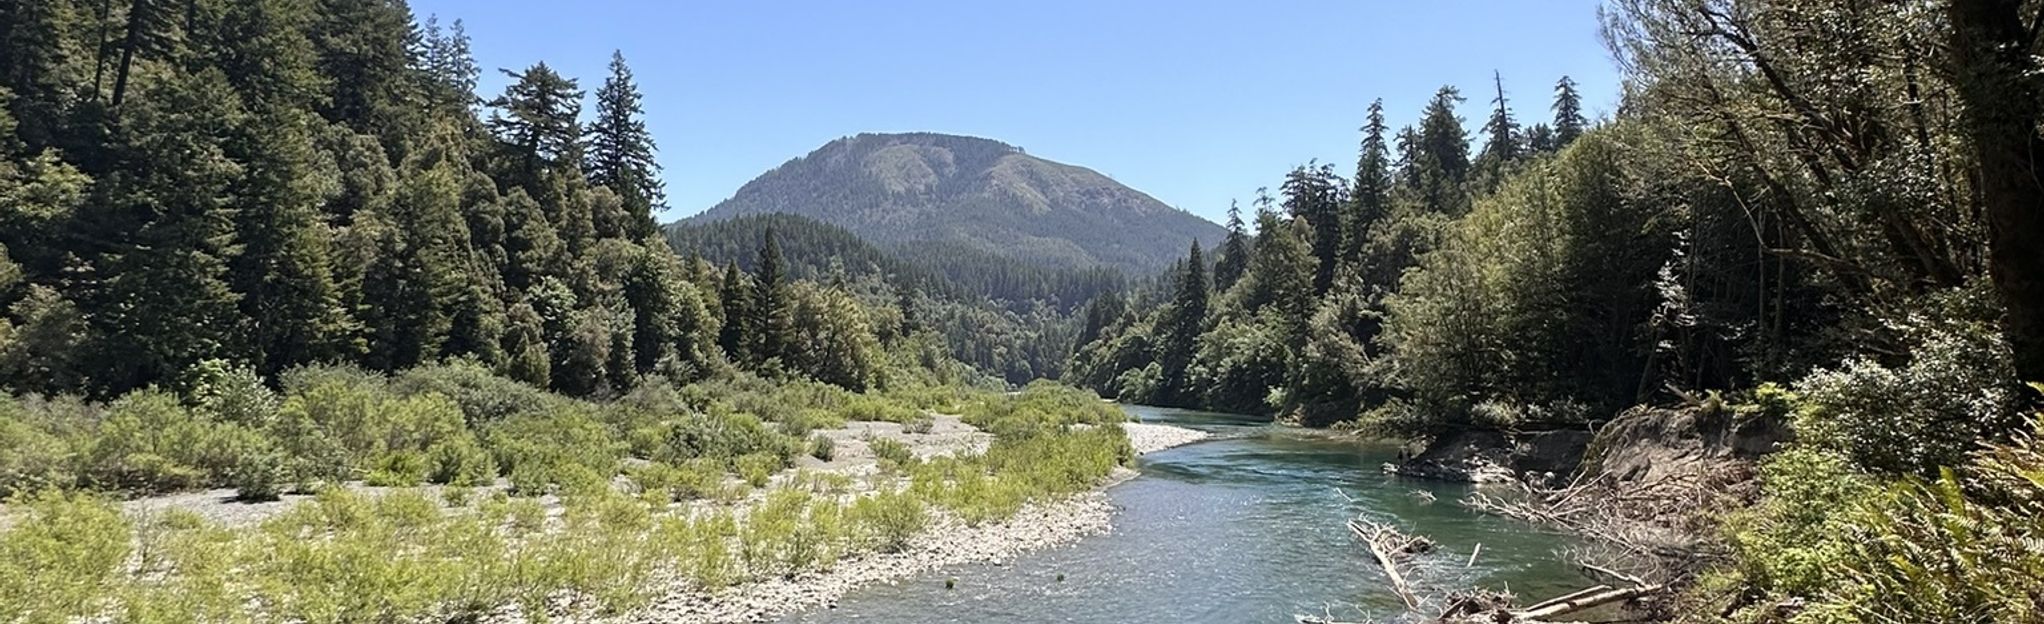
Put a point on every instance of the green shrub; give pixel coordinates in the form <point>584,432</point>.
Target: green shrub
<point>757,468</point>
<point>31,459</point>
<point>483,396</point>
<point>887,520</point>
<point>892,451</point>
<point>921,423</point>
<point>262,474</point>
<point>61,558</point>
<point>822,447</point>
<point>399,469</point>
<point>150,442</point>
<point>460,461</point>
<point>1955,390</point>
<point>869,407</point>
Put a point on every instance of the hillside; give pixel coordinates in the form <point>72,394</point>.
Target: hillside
<point>978,193</point>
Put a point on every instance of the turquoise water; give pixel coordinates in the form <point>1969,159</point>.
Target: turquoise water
<point>1243,528</point>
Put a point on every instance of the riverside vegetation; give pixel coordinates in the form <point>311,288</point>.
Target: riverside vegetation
<point>600,499</point>
<point>282,245</point>
<point>1820,214</point>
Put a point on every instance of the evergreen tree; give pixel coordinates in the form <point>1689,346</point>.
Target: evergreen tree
<point>1234,258</point>
<point>620,152</point>
<point>449,66</point>
<point>1370,192</point>
<point>362,51</point>
<point>1568,113</point>
<point>1183,326</point>
<point>736,296</point>
<point>1440,155</point>
<point>772,321</point>
<point>536,120</point>
<point>1313,195</point>
<point>1503,145</point>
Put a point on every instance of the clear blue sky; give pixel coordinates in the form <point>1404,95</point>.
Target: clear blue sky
<point>1194,102</point>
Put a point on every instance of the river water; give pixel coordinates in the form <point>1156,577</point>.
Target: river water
<point>1246,527</point>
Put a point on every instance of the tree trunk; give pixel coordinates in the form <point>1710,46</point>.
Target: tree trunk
<point>138,19</point>
<point>1992,52</point>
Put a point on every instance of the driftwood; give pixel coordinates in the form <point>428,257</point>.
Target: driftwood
<point>1391,548</point>
<point>1586,599</point>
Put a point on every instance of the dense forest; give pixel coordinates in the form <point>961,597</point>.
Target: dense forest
<point>1012,319</point>
<point>282,183</point>
<point>1754,229</point>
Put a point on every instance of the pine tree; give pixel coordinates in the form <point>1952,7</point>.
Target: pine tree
<point>1234,258</point>
<point>1503,146</point>
<point>621,155</point>
<point>1180,336</point>
<point>1313,195</point>
<point>361,47</point>
<point>737,301</point>
<point>772,322</point>
<point>536,119</point>
<point>159,284</point>
<point>1568,113</point>
<point>1440,155</point>
<point>1369,193</point>
<point>449,65</point>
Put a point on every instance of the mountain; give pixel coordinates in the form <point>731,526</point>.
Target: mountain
<point>978,193</point>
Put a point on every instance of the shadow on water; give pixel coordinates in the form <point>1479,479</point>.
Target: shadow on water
<point>1246,527</point>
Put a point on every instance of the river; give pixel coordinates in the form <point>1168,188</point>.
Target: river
<point>1246,527</point>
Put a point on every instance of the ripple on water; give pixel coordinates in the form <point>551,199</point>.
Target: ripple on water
<point>1243,528</point>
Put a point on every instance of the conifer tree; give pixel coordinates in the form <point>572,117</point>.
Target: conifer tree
<point>620,152</point>
<point>1187,319</point>
<point>536,119</point>
<point>1234,258</point>
<point>1503,145</point>
<point>1313,195</point>
<point>1440,155</point>
<point>1369,193</point>
<point>361,47</point>
<point>736,296</point>
<point>772,321</point>
<point>1568,113</point>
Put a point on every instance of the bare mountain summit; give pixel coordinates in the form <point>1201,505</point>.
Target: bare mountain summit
<point>926,188</point>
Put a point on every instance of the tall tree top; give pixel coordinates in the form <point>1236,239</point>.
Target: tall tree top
<point>1568,112</point>
<point>1503,130</point>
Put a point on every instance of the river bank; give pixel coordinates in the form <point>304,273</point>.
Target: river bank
<point>947,542</point>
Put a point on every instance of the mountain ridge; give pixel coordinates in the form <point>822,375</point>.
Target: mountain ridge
<point>915,187</point>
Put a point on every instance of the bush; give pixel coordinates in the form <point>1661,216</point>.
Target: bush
<point>921,423</point>
<point>888,520</point>
<point>483,396</point>
<point>399,469</point>
<point>151,443</point>
<point>460,461</point>
<point>62,558</point>
<point>262,475</point>
<point>1956,390</point>
<point>891,451</point>
<point>822,447</point>
<point>757,468</point>
<point>31,459</point>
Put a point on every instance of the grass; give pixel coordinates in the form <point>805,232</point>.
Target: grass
<point>609,530</point>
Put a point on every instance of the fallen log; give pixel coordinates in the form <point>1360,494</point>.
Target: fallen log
<point>1390,548</point>
<point>1581,600</point>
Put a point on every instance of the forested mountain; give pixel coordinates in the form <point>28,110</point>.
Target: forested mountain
<point>1003,316</point>
<point>817,250</point>
<point>974,193</point>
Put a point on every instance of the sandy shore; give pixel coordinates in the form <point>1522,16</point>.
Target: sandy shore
<point>1149,438</point>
